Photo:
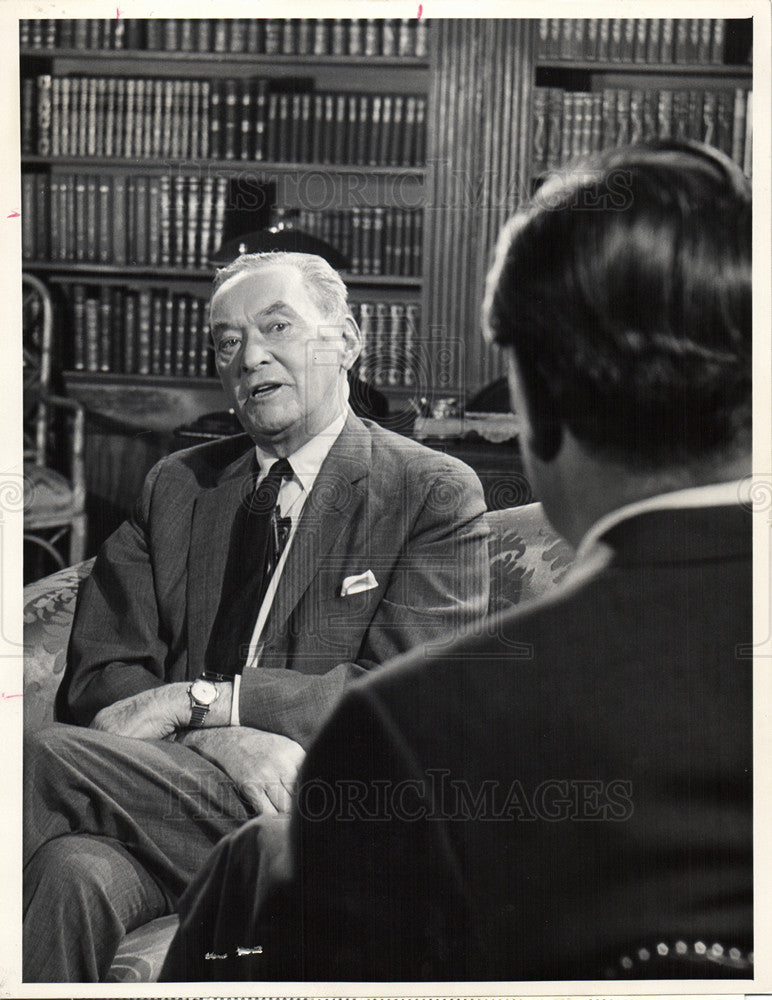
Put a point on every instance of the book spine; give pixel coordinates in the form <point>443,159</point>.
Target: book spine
<point>665,114</point>
<point>747,163</point>
<point>604,38</point>
<point>231,99</point>
<point>412,335</point>
<point>91,218</point>
<point>221,193</point>
<point>641,39</point>
<point>67,193</point>
<point>396,348</point>
<point>154,221</point>
<point>261,98</point>
<point>130,333</point>
<point>180,333</point>
<point>157,332</point>
<point>144,321</point>
<point>166,220</point>
<point>44,115</point>
<point>554,127</point>
<point>636,116</point>
<point>192,339</point>
<point>116,330</point>
<point>422,39</point>
<point>105,329</point>
<point>79,328</point>
<point>119,220</point>
<point>168,346</point>
<point>106,221</point>
<point>128,124</point>
<point>28,216</point>
<point>717,41</point>
<point>191,249</point>
<point>738,126</point>
<point>245,128</point>
<point>56,219</point>
<point>92,335</point>
<point>667,51</point>
<point>381,344</point>
<point>178,246</point>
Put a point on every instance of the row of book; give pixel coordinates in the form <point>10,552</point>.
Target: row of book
<point>375,240</point>
<point>572,124</point>
<point>140,332</point>
<point>218,119</point>
<point>390,337</point>
<point>114,219</point>
<point>683,41</point>
<point>261,36</point>
<point>153,331</point>
<point>177,221</point>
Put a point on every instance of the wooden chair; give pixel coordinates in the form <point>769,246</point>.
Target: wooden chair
<point>54,503</point>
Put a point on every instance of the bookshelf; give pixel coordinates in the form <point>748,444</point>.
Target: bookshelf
<point>137,138</point>
<point>604,82</point>
<point>493,93</point>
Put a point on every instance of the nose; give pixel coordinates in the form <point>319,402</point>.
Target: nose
<point>255,352</point>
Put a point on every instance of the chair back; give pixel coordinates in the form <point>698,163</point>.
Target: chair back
<point>37,340</point>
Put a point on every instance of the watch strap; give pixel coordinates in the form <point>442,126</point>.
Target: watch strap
<point>198,715</point>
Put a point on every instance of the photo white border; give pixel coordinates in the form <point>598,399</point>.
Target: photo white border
<point>11,483</point>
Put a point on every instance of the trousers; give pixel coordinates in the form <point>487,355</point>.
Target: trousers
<point>114,829</point>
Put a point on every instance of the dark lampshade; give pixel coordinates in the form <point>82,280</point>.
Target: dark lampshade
<point>283,238</point>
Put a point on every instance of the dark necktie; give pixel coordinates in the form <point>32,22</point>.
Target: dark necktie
<point>257,538</point>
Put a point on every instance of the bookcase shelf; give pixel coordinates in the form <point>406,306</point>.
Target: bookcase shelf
<point>66,272</point>
<point>674,69</point>
<point>239,58</point>
<point>223,166</point>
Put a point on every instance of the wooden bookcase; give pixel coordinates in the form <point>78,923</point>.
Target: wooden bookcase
<point>483,80</point>
<point>151,384</point>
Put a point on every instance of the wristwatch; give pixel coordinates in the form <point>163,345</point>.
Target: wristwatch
<point>203,694</point>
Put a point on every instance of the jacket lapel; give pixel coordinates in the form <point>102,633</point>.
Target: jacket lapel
<point>213,515</point>
<point>336,498</point>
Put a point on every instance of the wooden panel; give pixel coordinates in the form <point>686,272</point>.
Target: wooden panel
<point>479,155</point>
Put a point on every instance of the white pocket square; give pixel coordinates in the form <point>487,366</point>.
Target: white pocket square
<point>358,584</point>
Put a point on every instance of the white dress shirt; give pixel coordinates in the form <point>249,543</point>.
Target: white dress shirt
<point>293,493</point>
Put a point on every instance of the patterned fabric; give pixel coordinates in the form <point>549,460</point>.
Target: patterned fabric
<point>527,559</point>
<point>141,954</point>
<point>46,492</point>
<point>49,605</point>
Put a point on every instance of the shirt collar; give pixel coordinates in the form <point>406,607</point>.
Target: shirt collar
<point>308,459</point>
<point>712,495</point>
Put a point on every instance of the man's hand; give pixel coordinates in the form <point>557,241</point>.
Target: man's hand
<point>157,712</point>
<point>263,766</point>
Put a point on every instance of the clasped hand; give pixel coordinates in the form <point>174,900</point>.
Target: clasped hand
<point>149,715</point>
<point>263,766</point>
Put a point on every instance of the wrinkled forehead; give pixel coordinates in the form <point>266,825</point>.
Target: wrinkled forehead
<point>249,287</point>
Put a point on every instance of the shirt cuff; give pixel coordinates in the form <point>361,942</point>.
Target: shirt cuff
<point>235,718</point>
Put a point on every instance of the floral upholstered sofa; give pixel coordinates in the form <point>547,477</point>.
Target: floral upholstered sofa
<point>527,559</point>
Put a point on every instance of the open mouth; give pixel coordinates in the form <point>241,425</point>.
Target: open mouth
<point>264,390</point>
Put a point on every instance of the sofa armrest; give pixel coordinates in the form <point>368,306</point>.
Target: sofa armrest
<point>49,605</point>
<point>528,558</point>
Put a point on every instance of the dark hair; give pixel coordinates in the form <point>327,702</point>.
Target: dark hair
<point>624,289</point>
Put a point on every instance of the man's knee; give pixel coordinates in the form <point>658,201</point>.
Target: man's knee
<point>57,740</point>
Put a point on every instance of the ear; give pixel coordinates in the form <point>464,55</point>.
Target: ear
<point>540,429</point>
<point>352,342</point>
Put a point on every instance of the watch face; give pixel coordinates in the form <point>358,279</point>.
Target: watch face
<point>203,692</point>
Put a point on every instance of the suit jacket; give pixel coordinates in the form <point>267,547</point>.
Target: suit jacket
<point>380,502</point>
<point>570,782</point>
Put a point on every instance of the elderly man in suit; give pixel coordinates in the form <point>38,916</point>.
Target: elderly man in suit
<point>256,579</point>
<point>585,809</point>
